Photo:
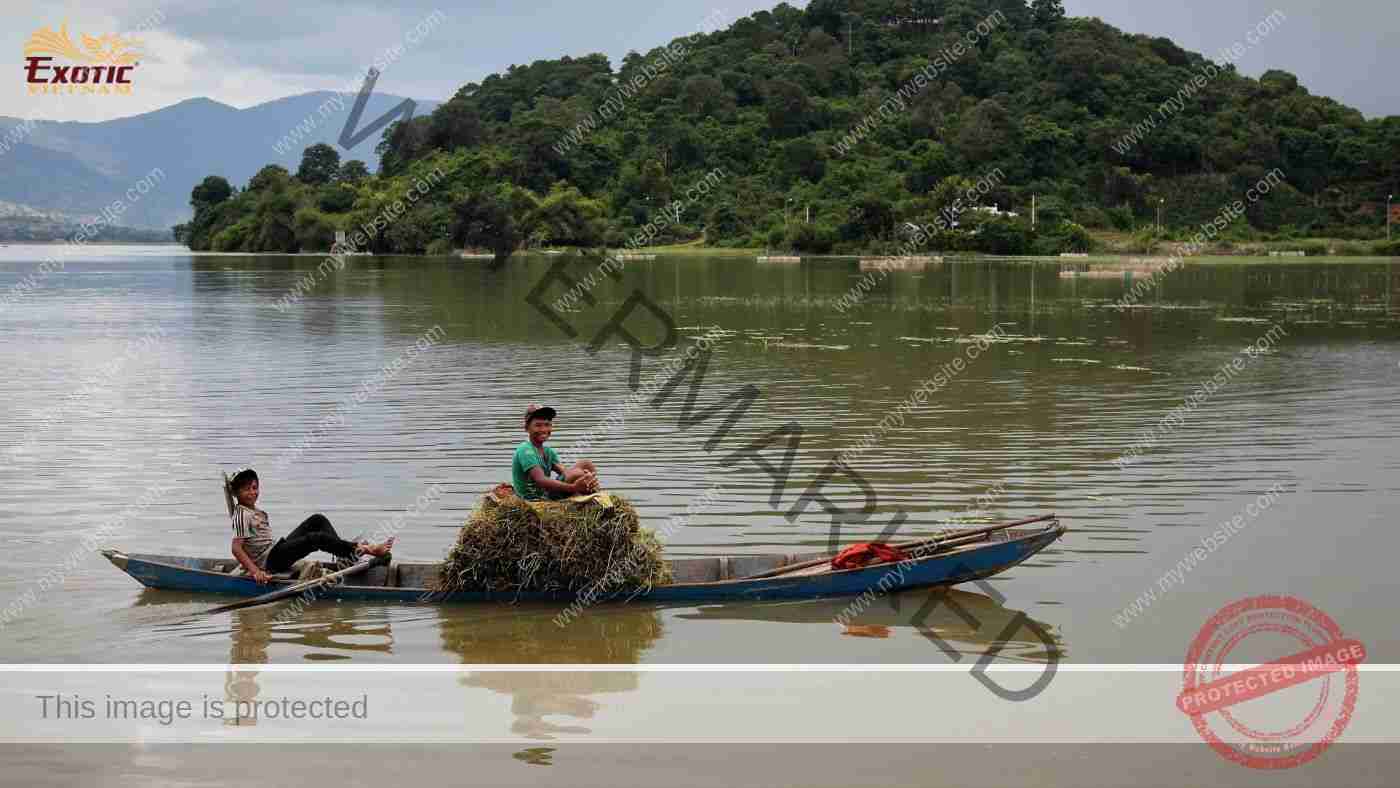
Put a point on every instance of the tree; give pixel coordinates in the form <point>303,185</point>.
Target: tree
<point>788,108</point>
<point>654,184</point>
<point>352,172</point>
<point>705,95</point>
<point>401,144</point>
<point>416,230</point>
<point>987,133</point>
<point>802,158</point>
<point>1004,236</point>
<point>454,125</point>
<point>566,218</point>
<point>815,238</point>
<point>314,232</point>
<point>1044,143</point>
<point>215,207</point>
<point>724,224</point>
<point>335,198</point>
<point>1047,14</point>
<point>276,230</point>
<point>871,218</point>
<point>929,163</point>
<point>319,164</point>
<point>949,200</point>
<point>488,219</point>
<point>273,176</point>
<point>210,191</point>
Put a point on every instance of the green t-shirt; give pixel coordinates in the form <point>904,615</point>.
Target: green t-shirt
<point>526,457</point>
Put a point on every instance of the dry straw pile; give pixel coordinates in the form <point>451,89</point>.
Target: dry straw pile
<point>510,545</point>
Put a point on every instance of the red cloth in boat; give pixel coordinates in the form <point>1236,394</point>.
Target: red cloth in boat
<point>858,555</point>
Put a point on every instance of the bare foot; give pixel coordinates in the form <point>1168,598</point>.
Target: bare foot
<point>377,550</point>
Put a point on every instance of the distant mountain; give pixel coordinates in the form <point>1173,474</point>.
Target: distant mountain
<point>53,181</point>
<point>24,224</point>
<point>15,212</point>
<point>77,168</point>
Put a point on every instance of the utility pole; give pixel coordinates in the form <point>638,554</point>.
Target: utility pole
<point>809,213</point>
<point>1033,216</point>
<point>1388,222</point>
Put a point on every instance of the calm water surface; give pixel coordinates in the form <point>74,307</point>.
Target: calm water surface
<point>145,367</point>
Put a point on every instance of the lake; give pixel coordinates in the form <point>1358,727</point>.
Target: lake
<point>137,375</point>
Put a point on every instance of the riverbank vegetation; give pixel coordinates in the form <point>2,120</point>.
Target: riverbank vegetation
<point>843,128</point>
<point>1248,243</point>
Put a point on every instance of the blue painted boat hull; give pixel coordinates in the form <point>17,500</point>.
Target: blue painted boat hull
<point>998,553</point>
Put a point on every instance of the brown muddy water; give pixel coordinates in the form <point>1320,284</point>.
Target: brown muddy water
<point>135,375</point>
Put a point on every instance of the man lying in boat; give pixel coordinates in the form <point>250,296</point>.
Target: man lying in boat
<point>252,536</point>
<point>535,464</point>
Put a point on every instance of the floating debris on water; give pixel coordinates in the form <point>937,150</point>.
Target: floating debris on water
<point>803,345</point>
<point>1004,339</point>
<point>1116,306</point>
<point>1076,361</point>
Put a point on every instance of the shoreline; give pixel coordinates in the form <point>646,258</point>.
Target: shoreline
<point>1213,257</point>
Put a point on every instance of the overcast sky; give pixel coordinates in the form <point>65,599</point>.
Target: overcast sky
<point>250,51</point>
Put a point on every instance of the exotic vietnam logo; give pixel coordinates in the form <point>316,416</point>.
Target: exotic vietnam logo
<point>102,66</point>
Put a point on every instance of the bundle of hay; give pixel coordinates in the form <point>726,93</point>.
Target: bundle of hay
<point>593,546</point>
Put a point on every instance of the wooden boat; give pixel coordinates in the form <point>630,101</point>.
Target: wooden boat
<point>960,557</point>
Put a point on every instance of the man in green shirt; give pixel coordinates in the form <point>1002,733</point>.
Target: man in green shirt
<point>535,465</point>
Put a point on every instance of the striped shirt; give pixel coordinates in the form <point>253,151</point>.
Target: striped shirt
<point>251,526</point>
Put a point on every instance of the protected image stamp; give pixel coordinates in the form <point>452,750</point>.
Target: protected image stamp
<point>1239,713</point>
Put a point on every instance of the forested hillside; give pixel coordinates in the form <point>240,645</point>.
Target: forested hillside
<point>869,113</point>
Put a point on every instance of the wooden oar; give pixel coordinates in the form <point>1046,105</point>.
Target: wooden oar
<point>965,537</point>
<point>228,494</point>
<point>283,593</point>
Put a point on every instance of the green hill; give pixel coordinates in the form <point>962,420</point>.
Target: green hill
<point>871,114</point>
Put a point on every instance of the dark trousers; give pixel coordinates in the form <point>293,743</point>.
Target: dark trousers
<point>313,535</point>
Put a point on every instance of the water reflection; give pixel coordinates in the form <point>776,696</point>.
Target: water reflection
<point>965,622</point>
<point>519,634</point>
<point>605,634</point>
<point>486,305</point>
<point>248,642</point>
<point>318,632</point>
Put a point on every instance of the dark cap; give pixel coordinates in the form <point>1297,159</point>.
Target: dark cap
<point>241,478</point>
<point>535,410</point>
